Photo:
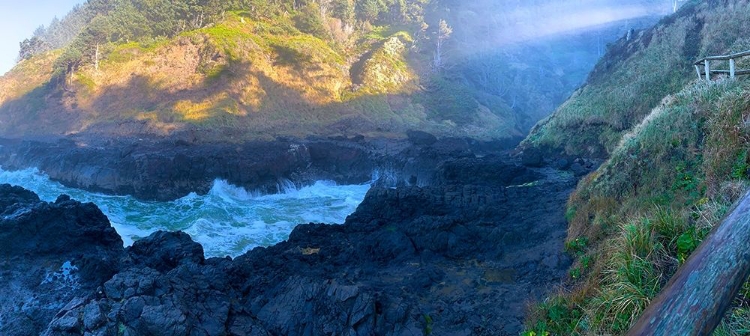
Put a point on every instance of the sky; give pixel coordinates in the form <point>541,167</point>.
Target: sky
<point>19,19</point>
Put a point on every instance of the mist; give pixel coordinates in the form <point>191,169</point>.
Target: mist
<point>514,21</point>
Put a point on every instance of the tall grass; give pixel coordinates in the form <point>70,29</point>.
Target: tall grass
<point>634,76</point>
<point>642,213</point>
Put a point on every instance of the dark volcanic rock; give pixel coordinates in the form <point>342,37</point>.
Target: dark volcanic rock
<point>155,170</point>
<point>15,198</point>
<point>50,253</point>
<point>532,157</point>
<point>420,138</point>
<point>453,258</point>
<point>163,170</point>
<point>163,251</point>
<point>461,256</point>
<point>489,170</point>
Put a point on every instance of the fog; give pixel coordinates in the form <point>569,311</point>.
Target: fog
<point>513,21</point>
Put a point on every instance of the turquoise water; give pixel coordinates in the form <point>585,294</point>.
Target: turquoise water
<point>227,221</point>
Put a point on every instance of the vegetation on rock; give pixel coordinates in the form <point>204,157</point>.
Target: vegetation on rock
<point>675,167</point>
<point>636,74</point>
<point>262,69</point>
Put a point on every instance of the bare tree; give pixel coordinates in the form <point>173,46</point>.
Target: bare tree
<point>443,33</point>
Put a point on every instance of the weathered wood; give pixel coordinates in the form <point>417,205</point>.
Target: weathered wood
<point>727,72</point>
<point>698,295</point>
<point>724,57</point>
<point>731,68</point>
<point>698,70</point>
<point>708,70</point>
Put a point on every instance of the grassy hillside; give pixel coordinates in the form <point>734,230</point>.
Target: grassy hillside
<point>248,69</point>
<point>672,172</point>
<point>633,77</point>
<point>265,78</point>
<point>638,217</point>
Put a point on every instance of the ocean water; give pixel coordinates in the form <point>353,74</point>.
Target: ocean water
<point>229,220</point>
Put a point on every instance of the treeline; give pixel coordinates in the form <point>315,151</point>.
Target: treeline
<point>98,22</point>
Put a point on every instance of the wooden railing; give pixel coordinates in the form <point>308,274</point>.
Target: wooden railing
<point>699,294</point>
<point>732,72</point>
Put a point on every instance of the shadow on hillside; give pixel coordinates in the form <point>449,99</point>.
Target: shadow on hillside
<point>288,57</point>
<point>280,110</point>
<point>140,107</point>
<point>26,114</point>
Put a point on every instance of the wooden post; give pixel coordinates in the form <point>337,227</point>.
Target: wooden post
<point>731,68</point>
<point>708,69</point>
<point>698,70</point>
<point>699,294</point>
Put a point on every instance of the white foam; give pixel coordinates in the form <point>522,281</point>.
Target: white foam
<point>229,220</point>
<point>65,276</point>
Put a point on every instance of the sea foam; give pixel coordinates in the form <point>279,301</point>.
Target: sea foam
<point>228,220</point>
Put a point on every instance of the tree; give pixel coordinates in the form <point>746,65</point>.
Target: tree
<point>344,10</point>
<point>368,10</point>
<point>309,20</point>
<point>31,47</point>
<point>443,33</point>
<point>67,63</point>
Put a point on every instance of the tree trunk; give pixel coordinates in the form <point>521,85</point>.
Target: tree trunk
<point>96,58</point>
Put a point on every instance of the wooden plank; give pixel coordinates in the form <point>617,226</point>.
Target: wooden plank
<point>698,70</point>
<point>699,294</point>
<point>731,68</point>
<point>727,72</point>
<point>724,57</point>
<point>728,57</point>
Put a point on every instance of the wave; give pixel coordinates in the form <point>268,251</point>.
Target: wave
<point>228,220</point>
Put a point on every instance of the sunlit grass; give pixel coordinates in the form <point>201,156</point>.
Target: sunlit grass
<point>668,182</point>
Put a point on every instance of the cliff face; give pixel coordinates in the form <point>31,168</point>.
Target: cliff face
<point>232,75</point>
<point>260,72</point>
<point>677,158</point>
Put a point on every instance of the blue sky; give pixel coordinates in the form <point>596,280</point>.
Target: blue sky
<point>19,19</point>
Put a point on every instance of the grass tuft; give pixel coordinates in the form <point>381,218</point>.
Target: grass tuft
<point>648,207</point>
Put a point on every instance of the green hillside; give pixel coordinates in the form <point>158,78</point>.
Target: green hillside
<point>677,153</point>
<point>253,69</point>
<point>634,76</point>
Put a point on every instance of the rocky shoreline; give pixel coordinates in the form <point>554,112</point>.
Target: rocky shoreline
<point>165,169</point>
<point>454,244</point>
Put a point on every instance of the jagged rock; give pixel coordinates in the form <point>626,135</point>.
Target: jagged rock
<point>50,254</point>
<point>163,251</point>
<point>532,157</point>
<point>420,138</point>
<point>458,257</point>
<point>15,198</point>
<point>159,170</point>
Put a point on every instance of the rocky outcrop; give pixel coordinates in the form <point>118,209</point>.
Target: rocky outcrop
<point>50,254</point>
<point>462,256</point>
<point>165,168</point>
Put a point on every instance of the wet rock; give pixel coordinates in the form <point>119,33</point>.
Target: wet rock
<point>163,251</point>
<point>420,138</point>
<point>15,198</point>
<point>93,317</point>
<point>161,170</point>
<point>532,157</point>
<point>461,256</point>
